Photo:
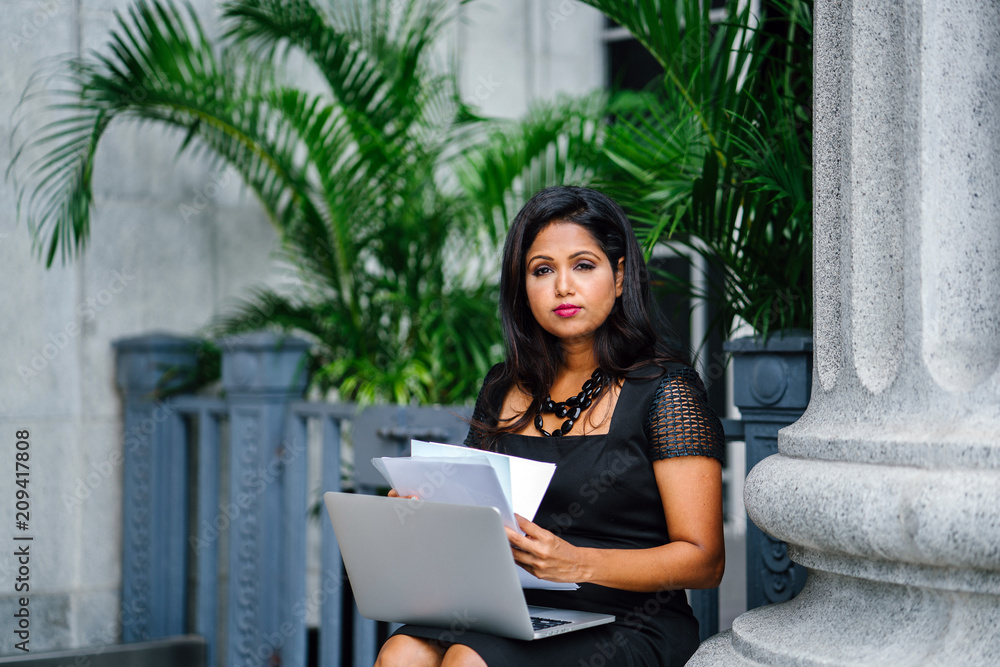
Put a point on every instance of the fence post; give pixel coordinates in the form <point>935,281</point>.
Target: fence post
<point>261,374</point>
<point>772,382</point>
<point>154,521</point>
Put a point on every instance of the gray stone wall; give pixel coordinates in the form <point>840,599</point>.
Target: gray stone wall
<point>150,267</point>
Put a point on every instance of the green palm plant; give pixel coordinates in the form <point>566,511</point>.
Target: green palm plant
<point>719,160</point>
<point>380,185</point>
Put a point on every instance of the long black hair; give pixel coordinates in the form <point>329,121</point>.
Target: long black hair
<point>625,342</point>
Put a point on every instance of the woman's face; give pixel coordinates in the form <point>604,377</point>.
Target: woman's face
<point>570,282</point>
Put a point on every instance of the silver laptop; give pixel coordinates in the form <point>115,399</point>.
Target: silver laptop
<point>441,565</point>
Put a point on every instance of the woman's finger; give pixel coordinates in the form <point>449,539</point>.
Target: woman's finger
<point>525,559</point>
<point>530,528</point>
<point>517,540</point>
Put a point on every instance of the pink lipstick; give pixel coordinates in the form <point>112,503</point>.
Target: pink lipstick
<point>567,310</point>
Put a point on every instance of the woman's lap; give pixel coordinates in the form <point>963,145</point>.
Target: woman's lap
<point>602,646</point>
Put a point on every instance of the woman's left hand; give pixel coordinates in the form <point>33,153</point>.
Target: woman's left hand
<point>545,555</point>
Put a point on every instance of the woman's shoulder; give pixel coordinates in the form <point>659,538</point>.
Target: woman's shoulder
<point>680,421</point>
<point>495,383</point>
<point>660,370</point>
<point>651,381</point>
<point>487,408</point>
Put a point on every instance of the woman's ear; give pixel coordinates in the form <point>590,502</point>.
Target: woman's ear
<point>619,276</point>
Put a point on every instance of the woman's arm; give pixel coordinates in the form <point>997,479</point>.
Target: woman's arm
<point>691,491</point>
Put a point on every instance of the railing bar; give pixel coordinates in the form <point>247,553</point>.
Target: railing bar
<point>295,466</point>
<point>205,534</point>
<point>196,404</point>
<point>336,411</point>
<point>133,546</point>
<point>365,639</point>
<point>176,451</point>
<point>331,579</point>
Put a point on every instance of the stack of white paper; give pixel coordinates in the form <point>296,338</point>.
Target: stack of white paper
<point>460,475</point>
<point>440,479</point>
<point>524,481</point>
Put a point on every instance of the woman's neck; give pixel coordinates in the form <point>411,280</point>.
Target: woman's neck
<point>578,358</point>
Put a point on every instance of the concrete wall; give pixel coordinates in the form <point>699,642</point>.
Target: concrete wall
<point>514,51</point>
<point>147,268</point>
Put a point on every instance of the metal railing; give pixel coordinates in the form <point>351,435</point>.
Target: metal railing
<point>220,500</point>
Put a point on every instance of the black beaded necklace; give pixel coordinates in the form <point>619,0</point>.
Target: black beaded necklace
<point>573,406</point>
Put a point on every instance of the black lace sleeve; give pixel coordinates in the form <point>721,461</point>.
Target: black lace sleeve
<point>680,421</point>
<point>481,414</point>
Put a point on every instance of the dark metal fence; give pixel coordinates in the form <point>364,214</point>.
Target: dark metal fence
<point>221,494</point>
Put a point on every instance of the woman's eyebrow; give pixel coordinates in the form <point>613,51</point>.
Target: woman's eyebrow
<point>573,256</point>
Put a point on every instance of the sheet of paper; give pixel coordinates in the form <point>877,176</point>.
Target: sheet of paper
<point>528,479</point>
<point>529,580</point>
<point>421,449</point>
<point>447,480</point>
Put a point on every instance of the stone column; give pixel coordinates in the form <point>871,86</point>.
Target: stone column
<point>888,488</point>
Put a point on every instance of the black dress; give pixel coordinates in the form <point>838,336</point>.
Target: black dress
<point>604,494</point>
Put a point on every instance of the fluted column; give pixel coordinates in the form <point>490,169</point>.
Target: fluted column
<point>888,488</point>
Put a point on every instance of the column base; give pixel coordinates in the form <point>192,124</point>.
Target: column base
<point>842,620</point>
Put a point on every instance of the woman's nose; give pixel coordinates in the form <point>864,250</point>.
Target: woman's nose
<point>564,284</point>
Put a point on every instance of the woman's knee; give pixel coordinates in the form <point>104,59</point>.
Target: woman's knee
<point>458,655</point>
<point>406,651</point>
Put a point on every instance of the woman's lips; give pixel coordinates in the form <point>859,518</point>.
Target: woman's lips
<point>567,310</point>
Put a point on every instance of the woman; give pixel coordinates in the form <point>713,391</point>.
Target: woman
<point>634,511</point>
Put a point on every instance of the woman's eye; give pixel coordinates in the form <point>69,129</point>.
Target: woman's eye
<point>586,266</point>
<point>541,270</point>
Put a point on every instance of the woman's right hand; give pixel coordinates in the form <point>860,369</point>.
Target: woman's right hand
<point>395,494</point>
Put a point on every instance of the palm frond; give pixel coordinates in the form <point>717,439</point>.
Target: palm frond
<point>160,68</point>
<point>557,142</point>
<point>372,54</point>
<point>720,162</point>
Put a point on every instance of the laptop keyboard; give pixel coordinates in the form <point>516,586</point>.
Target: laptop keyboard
<point>539,623</point>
